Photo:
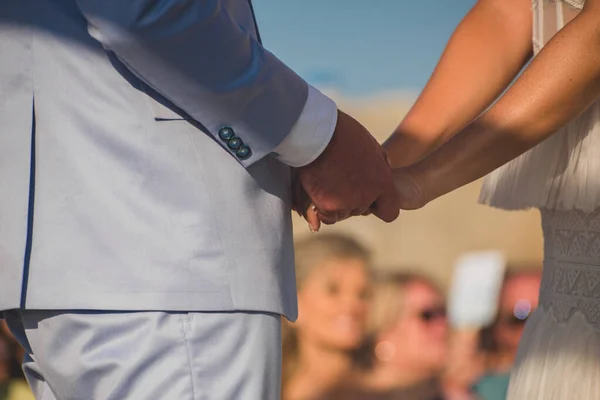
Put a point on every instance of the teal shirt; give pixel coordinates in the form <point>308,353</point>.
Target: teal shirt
<point>493,386</point>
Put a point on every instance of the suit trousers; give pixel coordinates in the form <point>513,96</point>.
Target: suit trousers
<point>95,355</point>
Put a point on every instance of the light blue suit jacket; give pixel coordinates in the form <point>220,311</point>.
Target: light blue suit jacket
<point>136,164</point>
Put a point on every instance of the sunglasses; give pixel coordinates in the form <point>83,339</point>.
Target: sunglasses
<point>432,314</point>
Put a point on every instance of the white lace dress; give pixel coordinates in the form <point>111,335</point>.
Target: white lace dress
<point>559,356</point>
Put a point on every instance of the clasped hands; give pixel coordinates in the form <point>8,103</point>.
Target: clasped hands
<point>352,177</point>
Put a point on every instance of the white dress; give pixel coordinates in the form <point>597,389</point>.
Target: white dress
<point>559,356</point>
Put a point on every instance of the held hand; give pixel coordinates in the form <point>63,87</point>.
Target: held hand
<point>302,204</point>
<point>407,184</point>
<point>350,178</point>
<point>410,189</point>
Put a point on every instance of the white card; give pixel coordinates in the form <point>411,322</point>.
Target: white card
<point>475,289</point>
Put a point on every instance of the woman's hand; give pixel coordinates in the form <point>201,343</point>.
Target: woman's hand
<point>412,192</point>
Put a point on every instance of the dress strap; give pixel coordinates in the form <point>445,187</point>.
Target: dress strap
<point>560,17</point>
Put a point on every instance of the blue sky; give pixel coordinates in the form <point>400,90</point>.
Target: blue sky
<point>360,47</point>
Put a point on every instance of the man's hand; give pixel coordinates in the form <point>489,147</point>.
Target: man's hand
<point>351,177</point>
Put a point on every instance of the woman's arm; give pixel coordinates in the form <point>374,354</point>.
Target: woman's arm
<point>558,85</point>
<point>485,53</point>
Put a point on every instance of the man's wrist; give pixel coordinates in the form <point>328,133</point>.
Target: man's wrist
<point>311,133</point>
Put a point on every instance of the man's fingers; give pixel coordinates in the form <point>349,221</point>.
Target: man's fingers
<point>331,212</point>
<point>312,217</point>
<point>387,206</point>
<point>344,215</point>
<point>327,218</point>
<point>360,211</point>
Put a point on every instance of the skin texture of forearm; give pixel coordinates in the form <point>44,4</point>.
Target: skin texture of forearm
<point>558,85</point>
<point>485,53</point>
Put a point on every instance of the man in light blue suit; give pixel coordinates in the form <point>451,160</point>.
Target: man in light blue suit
<point>146,155</point>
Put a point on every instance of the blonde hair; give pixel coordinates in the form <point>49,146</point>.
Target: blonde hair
<point>387,303</point>
<point>311,254</point>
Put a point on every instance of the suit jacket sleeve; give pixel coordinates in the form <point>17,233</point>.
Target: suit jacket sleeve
<point>193,53</point>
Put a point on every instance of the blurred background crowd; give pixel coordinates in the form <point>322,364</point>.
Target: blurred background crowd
<point>370,333</point>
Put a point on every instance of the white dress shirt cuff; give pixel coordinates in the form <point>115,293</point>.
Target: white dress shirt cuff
<point>311,133</point>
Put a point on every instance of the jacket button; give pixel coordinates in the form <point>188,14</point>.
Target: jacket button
<point>226,133</point>
<point>234,143</point>
<point>243,152</point>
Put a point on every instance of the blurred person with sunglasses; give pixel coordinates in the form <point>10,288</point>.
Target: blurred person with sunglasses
<point>409,342</point>
<point>322,348</point>
<point>500,341</point>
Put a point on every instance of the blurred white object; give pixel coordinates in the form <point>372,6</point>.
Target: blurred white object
<point>475,290</point>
